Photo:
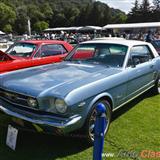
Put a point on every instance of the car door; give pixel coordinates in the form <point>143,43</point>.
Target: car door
<point>141,70</point>
<point>48,53</point>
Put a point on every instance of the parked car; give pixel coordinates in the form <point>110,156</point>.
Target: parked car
<point>5,57</point>
<point>156,44</point>
<point>30,49</point>
<point>61,97</point>
<point>24,54</point>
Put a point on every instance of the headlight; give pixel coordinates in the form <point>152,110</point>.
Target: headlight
<point>32,102</point>
<point>60,105</point>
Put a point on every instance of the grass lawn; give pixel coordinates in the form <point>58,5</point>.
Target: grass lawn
<point>135,127</point>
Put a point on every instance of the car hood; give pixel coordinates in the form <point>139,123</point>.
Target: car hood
<point>54,79</point>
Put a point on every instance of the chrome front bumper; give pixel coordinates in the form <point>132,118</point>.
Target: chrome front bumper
<point>64,124</point>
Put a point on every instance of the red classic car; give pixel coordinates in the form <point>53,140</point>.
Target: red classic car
<point>30,53</point>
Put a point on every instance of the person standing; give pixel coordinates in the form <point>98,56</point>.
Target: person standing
<point>149,37</point>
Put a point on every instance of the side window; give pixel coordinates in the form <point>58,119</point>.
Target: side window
<point>139,54</point>
<point>50,50</point>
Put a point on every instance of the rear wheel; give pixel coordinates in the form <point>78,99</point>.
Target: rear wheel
<point>90,122</point>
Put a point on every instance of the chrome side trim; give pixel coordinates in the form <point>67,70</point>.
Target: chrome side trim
<point>132,98</point>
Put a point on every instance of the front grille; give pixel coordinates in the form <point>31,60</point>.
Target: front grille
<point>14,98</point>
<point>20,103</point>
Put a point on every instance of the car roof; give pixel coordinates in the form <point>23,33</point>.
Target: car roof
<point>128,43</point>
<point>118,41</point>
<point>43,41</point>
<point>109,38</point>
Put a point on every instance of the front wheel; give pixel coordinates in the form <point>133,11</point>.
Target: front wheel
<point>90,122</point>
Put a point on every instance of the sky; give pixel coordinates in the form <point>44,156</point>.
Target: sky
<point>124,5</point>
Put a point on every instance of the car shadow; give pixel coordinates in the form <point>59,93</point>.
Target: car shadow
<point>37,146</point>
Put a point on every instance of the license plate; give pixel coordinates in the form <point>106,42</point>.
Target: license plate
<point>12,134</point>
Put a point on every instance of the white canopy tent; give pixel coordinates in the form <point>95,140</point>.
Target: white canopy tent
<point>109,26</point>
<point>62,29</point>
<point>2,33</point>
<point>90,28</point>
<point>132,25</point>
<point>84,28</point>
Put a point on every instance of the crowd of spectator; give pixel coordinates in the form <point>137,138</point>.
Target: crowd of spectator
<point>79,37</point>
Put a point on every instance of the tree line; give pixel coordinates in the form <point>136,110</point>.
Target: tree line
<point>144,12</point>
<point>14,14</point>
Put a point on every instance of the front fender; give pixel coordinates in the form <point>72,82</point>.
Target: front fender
<point>96,98</point>
<point>89,105</point>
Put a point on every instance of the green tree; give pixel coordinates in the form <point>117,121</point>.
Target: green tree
<point>141,13</point>
<point>136,7</point>
<point>146,12</point>
<point>156,4</point>
<point>107,16</point>
<point>40,26</point>
<point>7,28</point>
<point>96,14</point>
<point>145,6</point>
<point>156,10</point>
<point>21,22</point>
<point>119,18</point>
<point>83,17</point>
<point>70,13</point>
<point>135,13</point>
<point>57,13</point>
<point>7,15</point>
<point>47,11</point>
<point>34,13</point>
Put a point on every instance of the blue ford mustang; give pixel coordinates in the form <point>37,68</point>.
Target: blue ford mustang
<point>62,97</point>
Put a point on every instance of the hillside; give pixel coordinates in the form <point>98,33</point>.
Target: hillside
<point>14,14</point>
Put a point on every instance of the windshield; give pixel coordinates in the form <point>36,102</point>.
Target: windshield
<point>21,49</point>
<point>108,54</point>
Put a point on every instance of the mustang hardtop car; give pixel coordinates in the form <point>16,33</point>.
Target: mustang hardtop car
<point>30,53</point>
<point>62,97</point>
<point>29,49</point>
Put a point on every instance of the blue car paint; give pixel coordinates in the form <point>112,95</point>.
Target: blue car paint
<point>81,83</point>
